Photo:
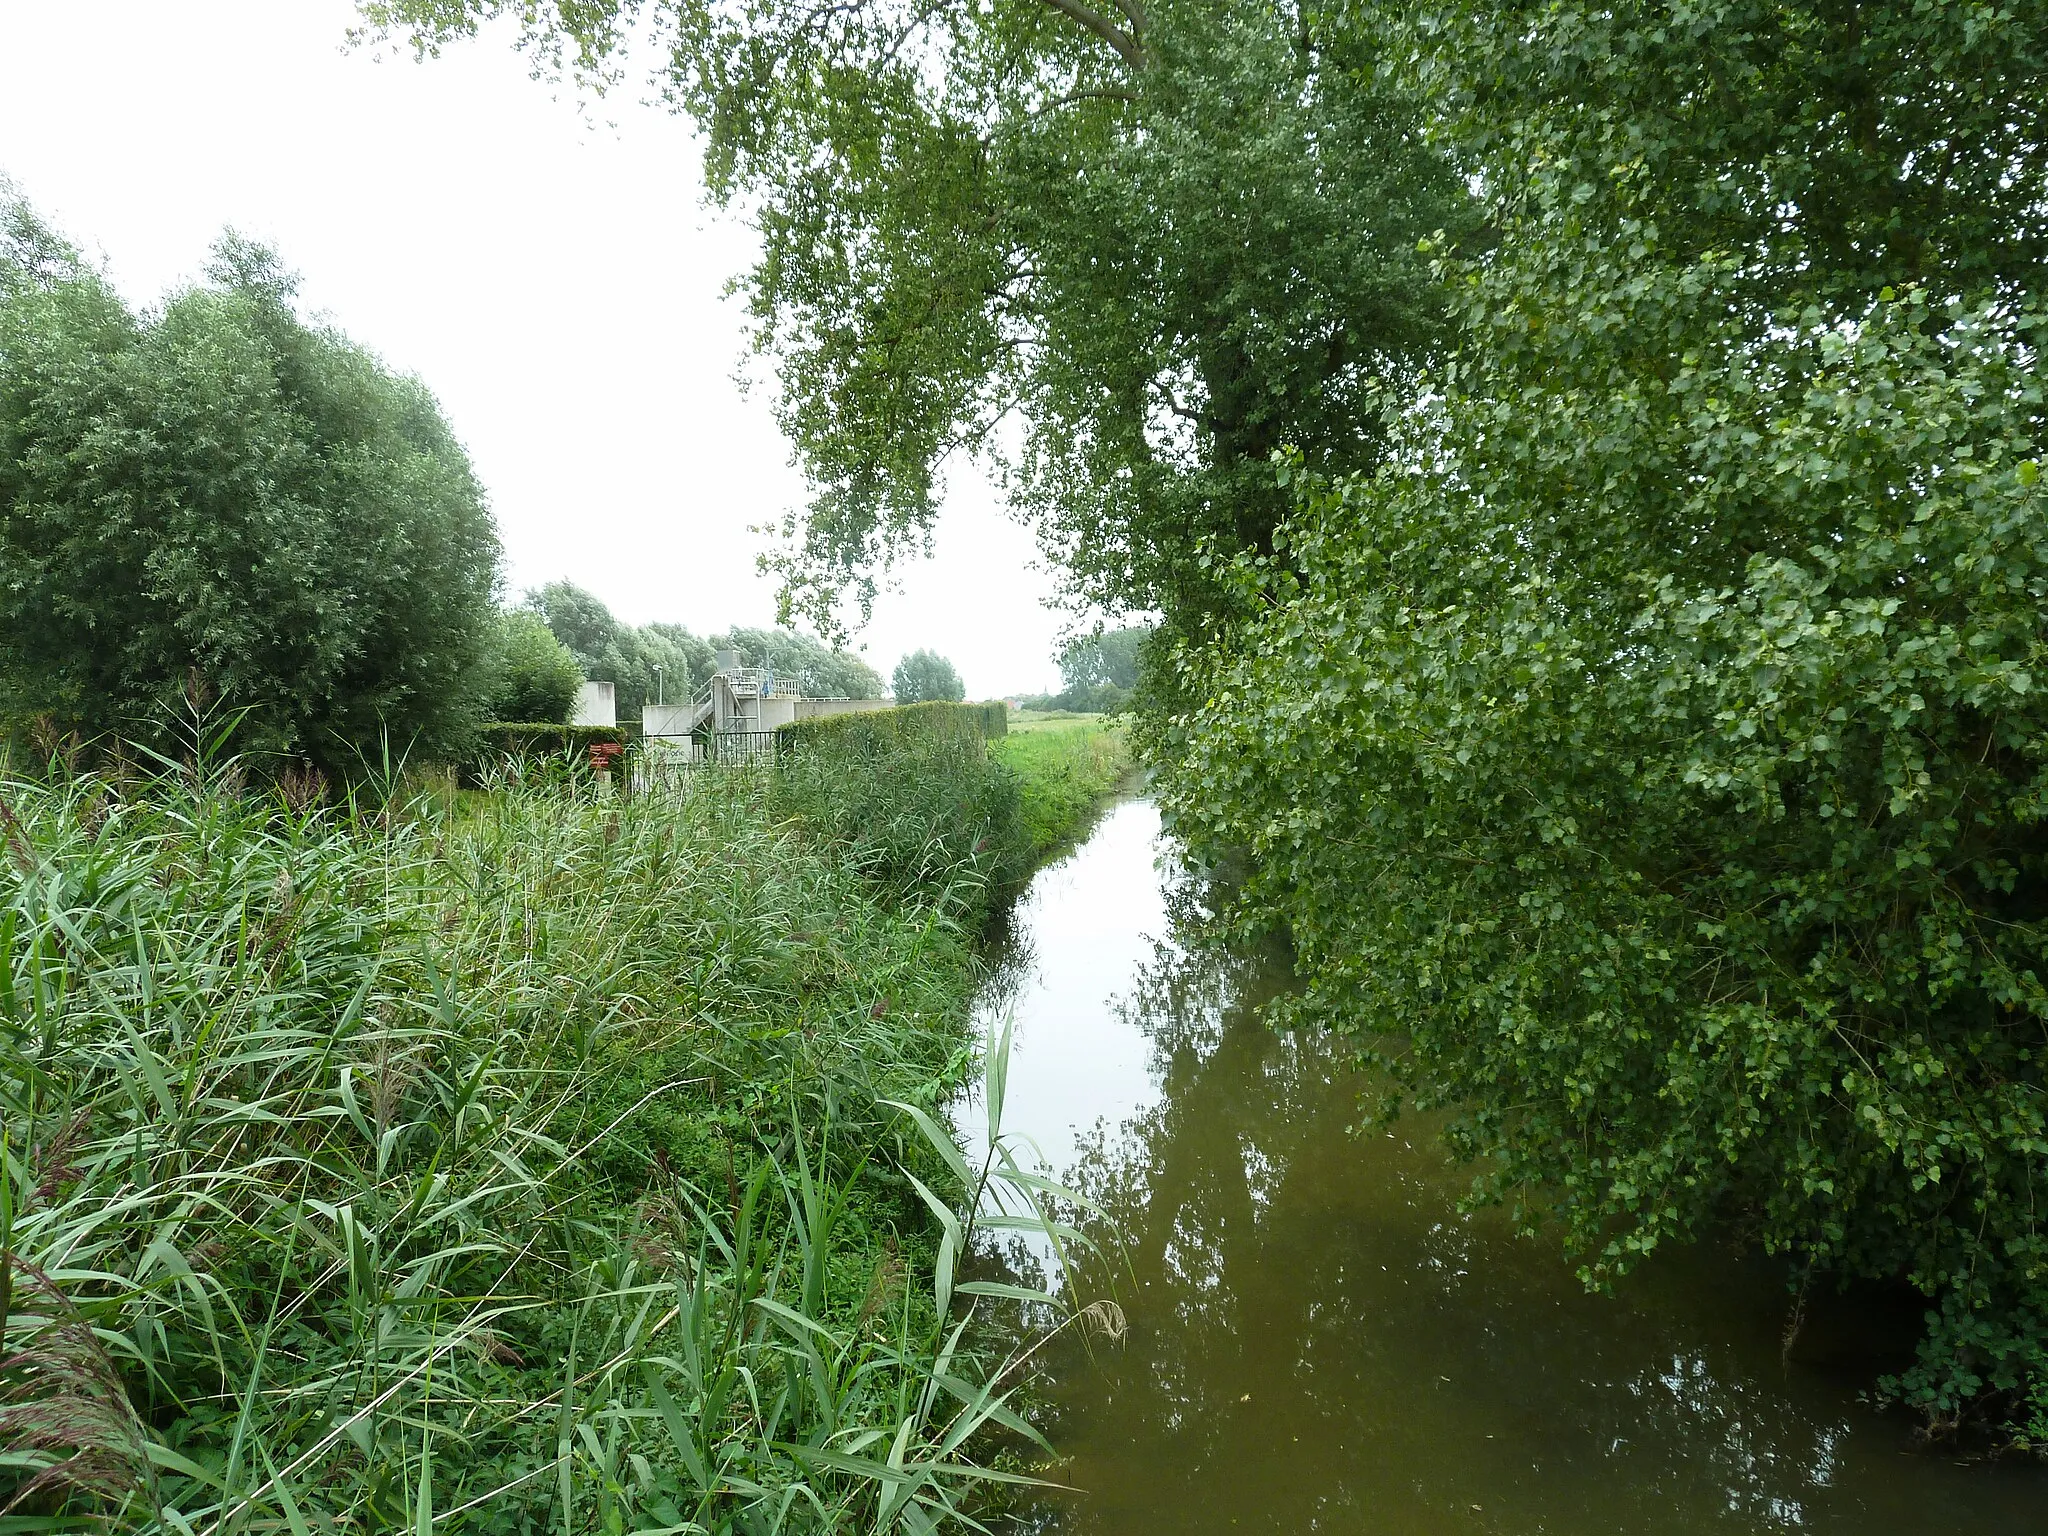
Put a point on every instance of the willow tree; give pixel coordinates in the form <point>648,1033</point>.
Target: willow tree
<point>1125,249</point>
<point>215,487</point>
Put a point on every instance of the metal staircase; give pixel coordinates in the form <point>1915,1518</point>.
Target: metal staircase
<point>726,711</point>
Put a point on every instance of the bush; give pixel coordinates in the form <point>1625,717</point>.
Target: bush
<point>219,488</point>
<point>535,676</point>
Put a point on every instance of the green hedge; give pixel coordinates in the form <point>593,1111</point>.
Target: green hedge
<point>900,725</point>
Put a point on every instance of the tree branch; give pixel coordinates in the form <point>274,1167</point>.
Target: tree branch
<point>1123,42</point>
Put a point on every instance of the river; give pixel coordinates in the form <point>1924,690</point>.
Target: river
<point>1319,1341</point>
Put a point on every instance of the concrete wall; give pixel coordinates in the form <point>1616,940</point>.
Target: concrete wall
<point>665,719</point>
<point>813,709</point>
<point>596,704</point>
<point>776,712</point>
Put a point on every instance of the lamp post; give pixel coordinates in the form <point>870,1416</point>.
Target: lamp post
<point>660,687</point>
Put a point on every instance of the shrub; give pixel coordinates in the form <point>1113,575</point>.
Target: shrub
<point>535,676</point>
<point>219,488</point>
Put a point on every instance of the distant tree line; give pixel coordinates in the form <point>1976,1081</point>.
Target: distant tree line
<point>1099,672</point>
<point>645,662</point>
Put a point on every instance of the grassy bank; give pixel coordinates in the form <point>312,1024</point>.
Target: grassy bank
<point>506,1162</point>
<point>1064,768</point>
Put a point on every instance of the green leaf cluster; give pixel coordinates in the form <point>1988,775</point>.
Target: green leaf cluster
<point>644,662</point>
<point>535,677</point>
<point>217,488</point>
<point>1158,240</point>
<point>511,1163</point>
<point>911,798</point>
<point>1649,760</point>
<point>817,669</point>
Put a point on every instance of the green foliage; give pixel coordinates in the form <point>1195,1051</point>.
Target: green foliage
<point>217,487</point>
<point>1167,238</point>
<point>535,677</point>
<point>533,753</point>
<point>627,656</point>
<point>886,728</point>
<point>621,654</point>
<point>911,798</point>
<point>1650,766</point>
<point>1100,699</point>
<point>1102,673</point>
<point>521,1164</point>
<point>1107,659</point>
<point>1637,729</point>
<point>925,676</point>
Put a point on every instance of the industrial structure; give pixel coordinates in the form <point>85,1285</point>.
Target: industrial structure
<point>735,714</point>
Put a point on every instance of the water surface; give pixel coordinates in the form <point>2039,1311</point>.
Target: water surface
<point>1320,1342</point>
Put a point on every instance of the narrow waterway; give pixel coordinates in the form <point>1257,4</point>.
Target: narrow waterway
<point>1318,1340</point>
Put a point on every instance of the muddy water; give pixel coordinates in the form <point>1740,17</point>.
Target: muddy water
<point>1319,1341</point>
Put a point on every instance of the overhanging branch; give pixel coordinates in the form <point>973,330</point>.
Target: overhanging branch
<point>1125,43</point>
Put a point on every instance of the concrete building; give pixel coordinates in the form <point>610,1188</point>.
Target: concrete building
<point>596,704</point>
<point>734,714</point>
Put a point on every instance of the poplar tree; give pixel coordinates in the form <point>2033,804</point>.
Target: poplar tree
<point>1123,250</point>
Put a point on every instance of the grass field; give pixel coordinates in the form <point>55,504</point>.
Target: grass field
<point>1026,720</point>
<point>1066,765</point>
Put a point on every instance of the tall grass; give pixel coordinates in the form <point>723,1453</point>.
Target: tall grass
<point>511,1163</point>
<point>924,811</point>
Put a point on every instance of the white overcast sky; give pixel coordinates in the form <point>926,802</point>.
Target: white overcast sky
<point>546,265</point>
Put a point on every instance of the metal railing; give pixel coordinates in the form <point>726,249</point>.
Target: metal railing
<point>737,747</point>
<point>673,761</point>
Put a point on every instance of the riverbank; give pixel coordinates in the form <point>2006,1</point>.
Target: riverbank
<point>513,1161</point>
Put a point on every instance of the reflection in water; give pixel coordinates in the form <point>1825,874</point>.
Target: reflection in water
<point>1319,1340</point>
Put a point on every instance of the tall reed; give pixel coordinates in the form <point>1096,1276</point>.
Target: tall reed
<point>516,1162</point>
